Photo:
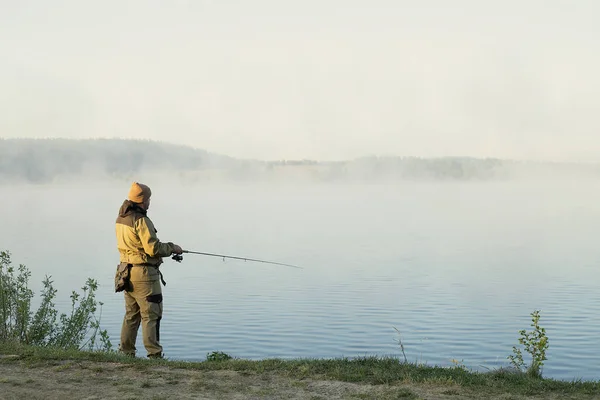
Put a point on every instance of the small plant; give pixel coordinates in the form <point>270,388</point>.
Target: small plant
<point>218,356</point>
<point>459,364</point>
<point>400,343</point>
<point>15,301</point>
<point>42,327</point>
<point>536,344</point>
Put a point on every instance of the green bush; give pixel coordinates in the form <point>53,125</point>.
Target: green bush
<point>218,356</point>
<point>536,344</point>
<point>18,323</point>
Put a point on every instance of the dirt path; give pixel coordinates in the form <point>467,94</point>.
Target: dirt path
<point>88,380</point>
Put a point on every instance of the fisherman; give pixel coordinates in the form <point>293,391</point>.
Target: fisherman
<point>141,254</point>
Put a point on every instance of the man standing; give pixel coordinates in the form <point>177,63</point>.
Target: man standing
<point>142,252</point>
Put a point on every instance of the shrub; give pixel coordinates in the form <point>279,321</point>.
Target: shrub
<point>536,344</point>
<point>18,323</point>
<point>218,356</point>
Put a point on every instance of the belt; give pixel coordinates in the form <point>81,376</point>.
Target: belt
<point>154,266</point>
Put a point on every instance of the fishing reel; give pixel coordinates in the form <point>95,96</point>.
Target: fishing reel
<point>177,257</point>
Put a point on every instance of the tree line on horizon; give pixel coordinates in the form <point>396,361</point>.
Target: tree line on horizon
<point>43,160</point>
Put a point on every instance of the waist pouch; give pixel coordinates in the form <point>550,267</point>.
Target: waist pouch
<point>122,276</point>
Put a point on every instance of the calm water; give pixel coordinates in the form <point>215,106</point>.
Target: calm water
<point>457,268</point>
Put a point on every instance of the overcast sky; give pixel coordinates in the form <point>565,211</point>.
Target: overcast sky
<point>319,79</point>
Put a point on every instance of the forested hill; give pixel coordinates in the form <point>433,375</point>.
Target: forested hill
<point>50,160</point>
<point>44,160</point>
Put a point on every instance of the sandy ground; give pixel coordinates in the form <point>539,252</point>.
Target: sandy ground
<point>102,380</point>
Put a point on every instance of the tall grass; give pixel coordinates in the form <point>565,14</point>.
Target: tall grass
<point>78,329</point>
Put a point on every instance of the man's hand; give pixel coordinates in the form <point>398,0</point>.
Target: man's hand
<point>177,249</point>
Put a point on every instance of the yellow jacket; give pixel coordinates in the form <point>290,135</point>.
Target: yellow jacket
<point>136,237</point>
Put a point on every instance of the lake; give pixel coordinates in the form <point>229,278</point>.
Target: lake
<point>457,268</point>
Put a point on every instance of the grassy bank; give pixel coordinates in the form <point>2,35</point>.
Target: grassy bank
<point>376,377</point>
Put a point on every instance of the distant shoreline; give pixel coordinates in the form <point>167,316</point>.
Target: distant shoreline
<point>61,160</point>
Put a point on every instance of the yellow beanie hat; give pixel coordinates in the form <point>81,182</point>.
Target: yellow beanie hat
<point>139,192</point>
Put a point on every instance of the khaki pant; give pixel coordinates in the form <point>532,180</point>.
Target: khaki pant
<point>143,304</point>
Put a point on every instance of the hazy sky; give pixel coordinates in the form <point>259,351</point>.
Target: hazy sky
<point>327,79</point>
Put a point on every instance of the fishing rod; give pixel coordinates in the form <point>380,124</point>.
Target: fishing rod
<point>179,258</point>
